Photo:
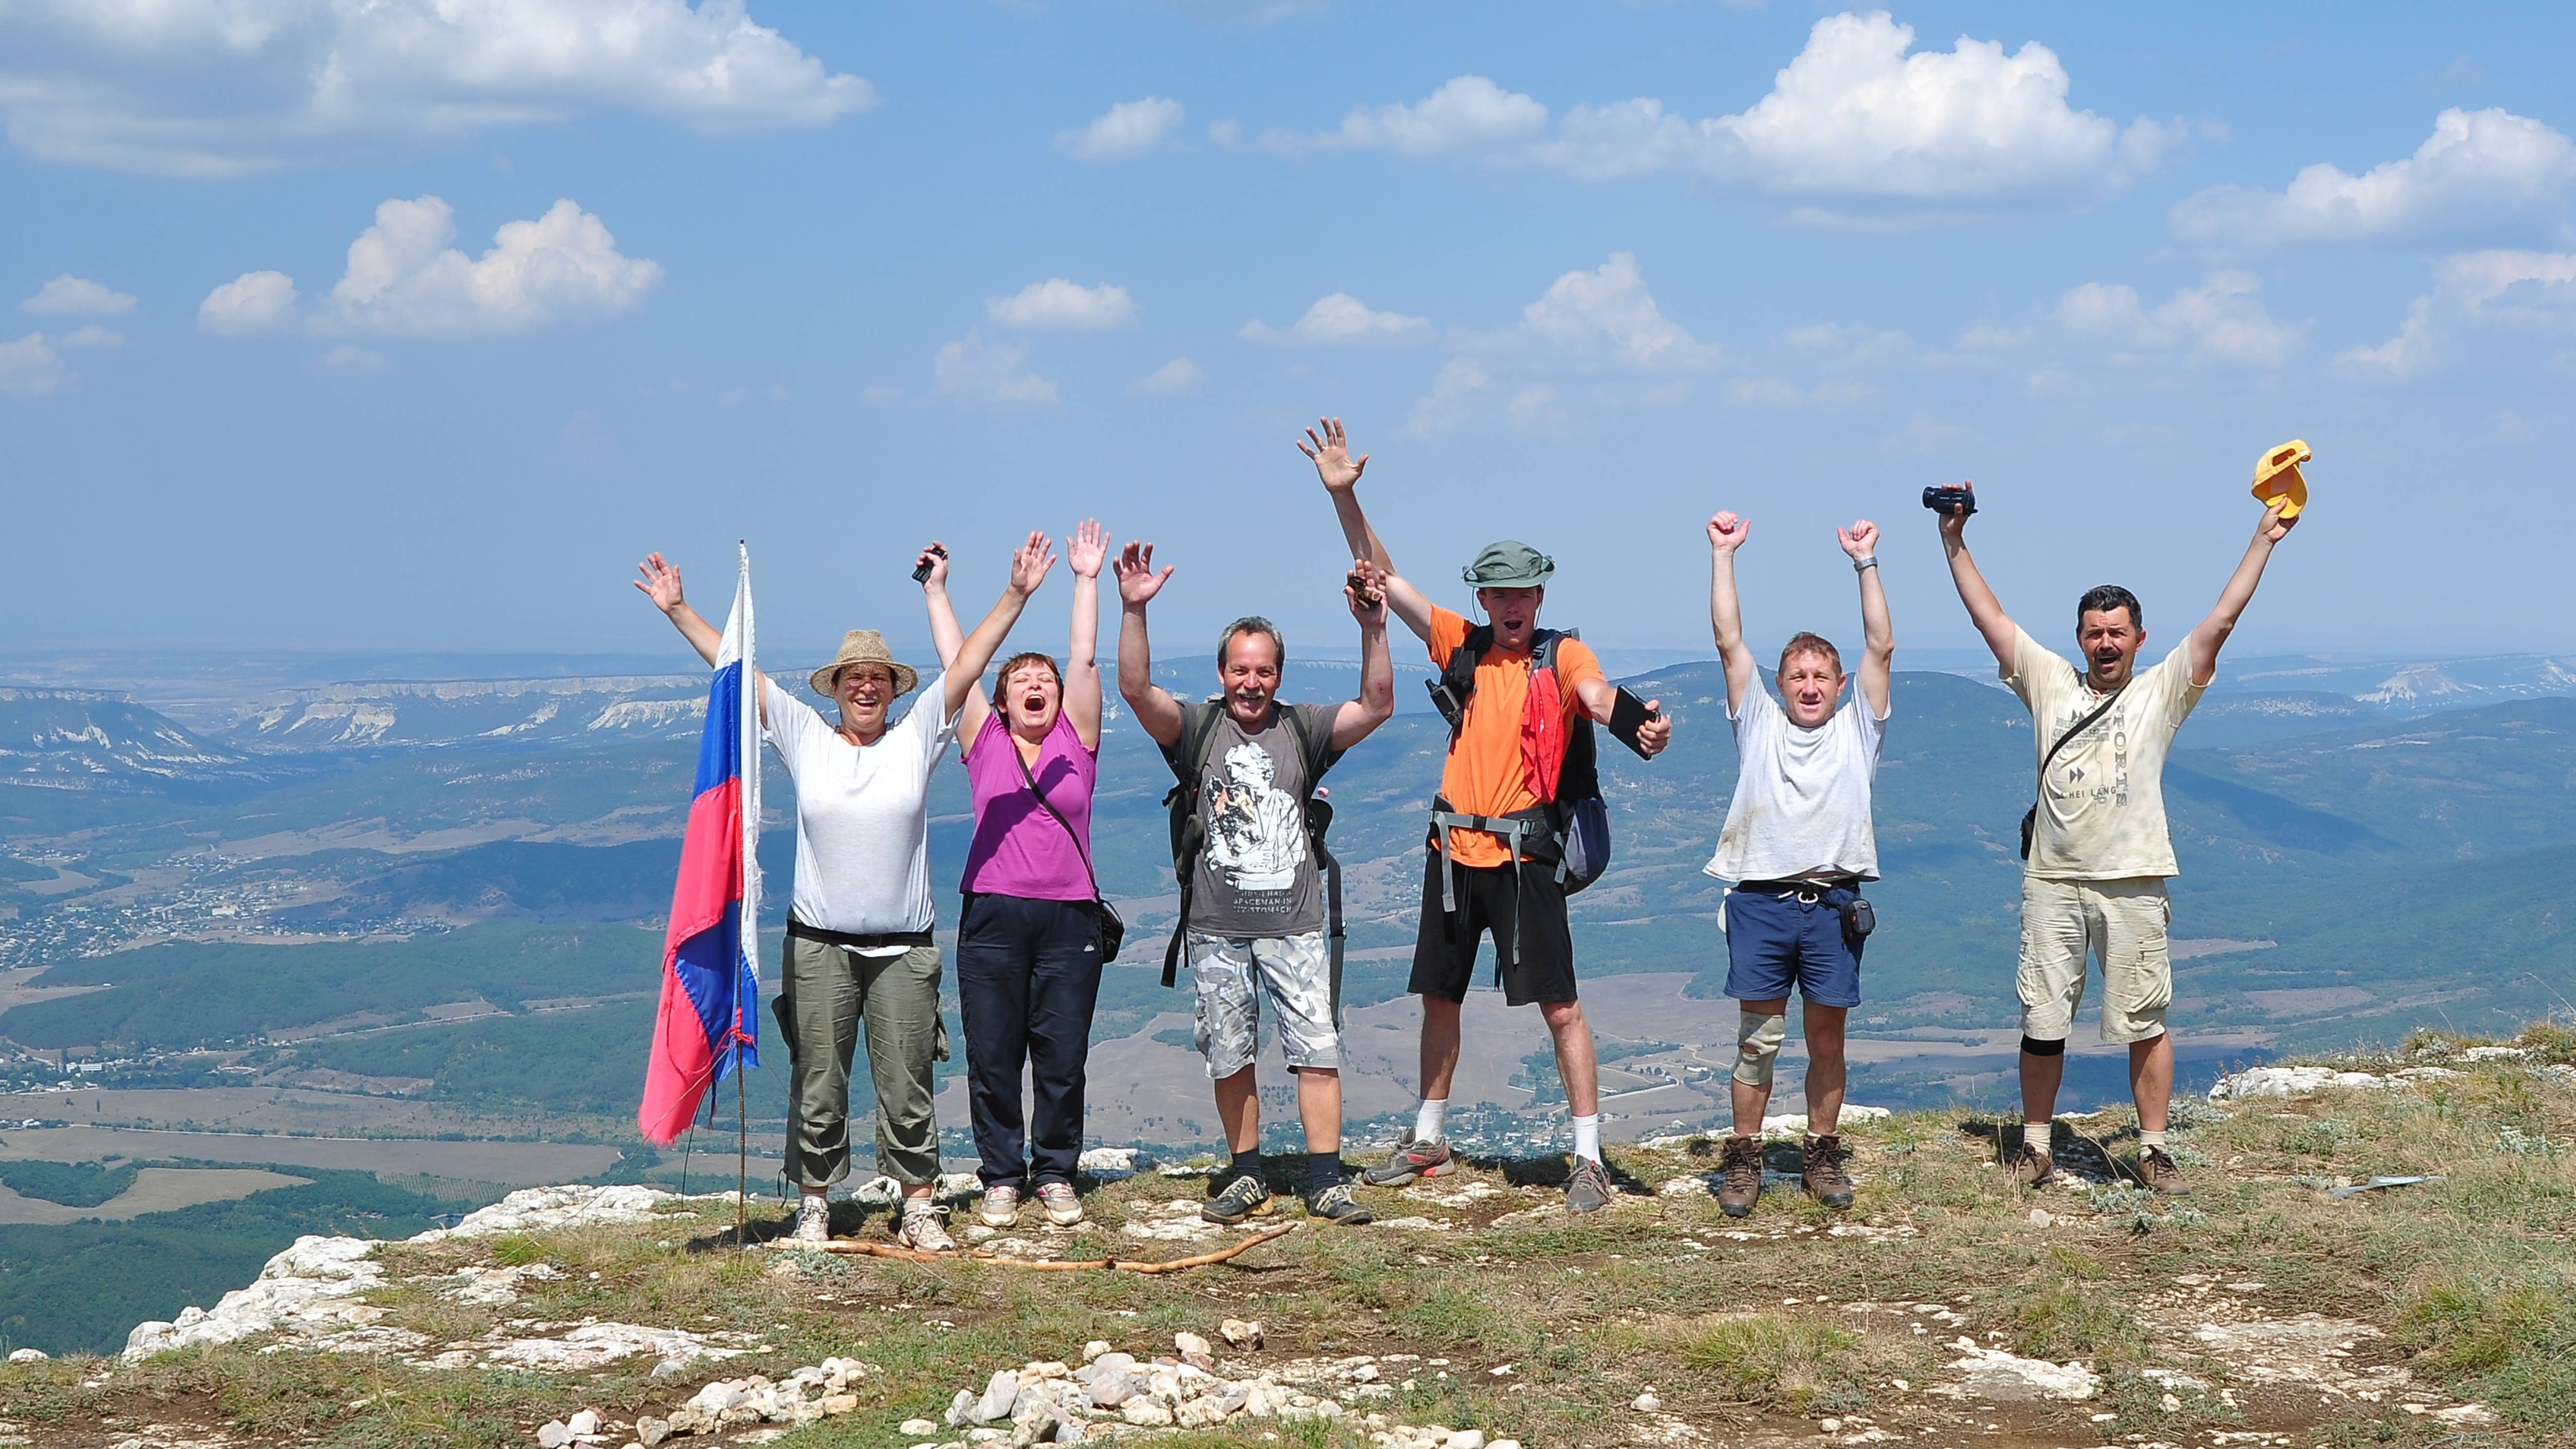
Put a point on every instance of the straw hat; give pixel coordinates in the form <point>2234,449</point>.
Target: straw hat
<point>862,646</point>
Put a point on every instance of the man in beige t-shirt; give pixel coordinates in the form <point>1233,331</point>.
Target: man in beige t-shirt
<point>2099,852</point>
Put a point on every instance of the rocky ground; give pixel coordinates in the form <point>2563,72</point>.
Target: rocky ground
<point>2288,1302</point>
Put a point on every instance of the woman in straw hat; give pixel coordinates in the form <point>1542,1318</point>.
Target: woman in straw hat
<point>859,953</point>
<point>1029,942</point>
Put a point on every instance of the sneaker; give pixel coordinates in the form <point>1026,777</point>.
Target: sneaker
<point>2160,1173</point>
<point>1410,1160</point>
<point>1062,1208</point>
<point>1247,1196</point>
<point>2032,1167</point>
<point>1589,1189</point>
<point>1001,1206</point>
<point>1739,1176</point>
<point>1335,1204</point>
<point>923,1232</point>
<point>1823,1176</point>
<point>813,1219</point>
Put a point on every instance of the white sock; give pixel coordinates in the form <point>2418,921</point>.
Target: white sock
<point>2148,1139</point>
<point>2036,1134</point>
<point>1432,1121</point>
<point>1587,1137</point>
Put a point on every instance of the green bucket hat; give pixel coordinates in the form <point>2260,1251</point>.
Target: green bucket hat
<point>1509,564</point>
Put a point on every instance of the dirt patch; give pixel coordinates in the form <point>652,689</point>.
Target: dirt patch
<point>155,1190</point>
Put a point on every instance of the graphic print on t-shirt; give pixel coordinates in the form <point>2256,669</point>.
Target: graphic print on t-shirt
<point>1256,832</point>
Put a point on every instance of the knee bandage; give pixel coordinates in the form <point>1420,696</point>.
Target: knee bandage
<point>1757,1046</point>
<point>2033,1046</point>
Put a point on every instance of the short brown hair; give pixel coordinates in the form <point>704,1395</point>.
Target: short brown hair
<point>1010,666</point>
<point>1806,643</point>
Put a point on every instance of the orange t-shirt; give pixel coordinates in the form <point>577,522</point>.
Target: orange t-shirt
<point>1486,774</point>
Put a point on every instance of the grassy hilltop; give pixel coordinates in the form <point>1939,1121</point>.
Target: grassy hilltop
<point>2261,1311</point>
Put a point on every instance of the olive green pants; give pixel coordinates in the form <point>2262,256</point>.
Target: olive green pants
<point>827,995</point>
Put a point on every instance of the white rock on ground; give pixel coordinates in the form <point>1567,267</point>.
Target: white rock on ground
<point>2256,1082</point>
<point>533,1208</point>
<point>306,1289</point>
<point>595,1345</point>
<point>1994,1376</point>
<point>1777,1127</point>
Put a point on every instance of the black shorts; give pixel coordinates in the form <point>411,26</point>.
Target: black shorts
<point>1529,912</point>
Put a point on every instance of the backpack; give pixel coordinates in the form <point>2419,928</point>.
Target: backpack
<point>1574,827</point>
<point>1188,757</point>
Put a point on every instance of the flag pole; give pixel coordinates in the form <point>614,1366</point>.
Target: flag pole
<point>741,1161</point>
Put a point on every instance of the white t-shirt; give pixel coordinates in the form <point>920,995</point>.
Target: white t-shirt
<point>2102,800</point>
<point>1801,803</point>
<point>862,815</point>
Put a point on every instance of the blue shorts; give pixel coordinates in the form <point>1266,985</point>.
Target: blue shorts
<point>1774,941</point>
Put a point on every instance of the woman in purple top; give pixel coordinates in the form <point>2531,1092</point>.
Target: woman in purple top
<point>1028,948</point>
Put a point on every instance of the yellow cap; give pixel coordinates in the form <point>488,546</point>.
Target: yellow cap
<point>2276,475</point>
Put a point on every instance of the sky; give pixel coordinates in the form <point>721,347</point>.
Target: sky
<point>413,324</point>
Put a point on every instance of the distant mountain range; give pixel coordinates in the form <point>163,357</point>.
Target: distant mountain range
<point>88,740</point>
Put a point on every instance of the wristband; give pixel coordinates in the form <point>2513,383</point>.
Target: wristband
<point>1870,562</point>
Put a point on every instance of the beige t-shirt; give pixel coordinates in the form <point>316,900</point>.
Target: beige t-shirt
<point>2102,800</point>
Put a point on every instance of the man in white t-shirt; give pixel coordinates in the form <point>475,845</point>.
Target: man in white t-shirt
<point>2099,853</point>
<point>1797,843</point>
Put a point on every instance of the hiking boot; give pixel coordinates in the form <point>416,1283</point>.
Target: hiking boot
<point>813,1219</point>
<point>1410,1160</point>
<point>922,1231</point>
<point>1739,1176</point>
<point>2159,1173</point>
<point>1335,1204</point>
<point>1062,1208</point>
<point>2032,1167</point>
<point>1247,1196</point>
<point>1823,1175</point>
<point>1589,1189</point>
<point>1001,1206</point>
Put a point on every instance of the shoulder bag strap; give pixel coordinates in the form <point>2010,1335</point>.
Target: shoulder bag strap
<point>1049,807</point>
<point>2081,726</point>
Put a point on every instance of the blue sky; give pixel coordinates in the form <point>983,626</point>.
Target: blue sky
<point>571,281</point>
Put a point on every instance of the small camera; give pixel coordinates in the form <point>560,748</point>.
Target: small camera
<point>1946,500</point>
<point>921,570</point>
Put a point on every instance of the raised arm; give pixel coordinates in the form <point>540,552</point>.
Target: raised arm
<point>1726,534</point>
<point>1153,705</point>
<point>1028,569</point>
<point>2211,635</point>
<point>1365,591</point>
<point>661,584</point>
<point>1085,551</point>
<point>948,639</point>
<point>1984,609</point>
<point>1878,636</point>
<point>1329,448</point>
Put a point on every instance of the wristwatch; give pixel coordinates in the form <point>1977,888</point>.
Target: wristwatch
<point>1870,562</point>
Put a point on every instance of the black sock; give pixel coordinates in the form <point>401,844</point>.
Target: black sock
<point>1245,1164</point>
<point>1323,1169</point>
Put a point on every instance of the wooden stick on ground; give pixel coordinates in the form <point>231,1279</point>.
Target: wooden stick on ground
<point>850,1247</point>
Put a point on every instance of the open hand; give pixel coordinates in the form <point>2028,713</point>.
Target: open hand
<point>1657,731</point>
<point>1726,532</point>
<point>936,556</point>
<point>1087,548</point>
<point>1860,540</point>
<point>2272,529</point>
<point>661,582</point>
<point>1029,566</point>
<point>1137,581</point>
<point>1331,452</point>
<point>1365,590</point>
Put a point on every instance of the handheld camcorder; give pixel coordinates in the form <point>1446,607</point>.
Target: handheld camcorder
<point>921,570</point>
<point>1943,499</point>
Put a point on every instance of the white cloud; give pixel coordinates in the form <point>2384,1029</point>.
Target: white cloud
<point>70,296</point>
<point>1846,345</point>
<point>352,360</point>
<point>1125,131</point>
<point>1056,305</point>
<point>1857,113</point>
<point>91,334</point>
<point>29,368</point>
<point>1173,378</point>
<point>1250,12</point>
<point>220,87</point>
<point>1772,392</point>
<point>985,373</point>
<point>252,302</point>
<point>1584,313</point>
<point>2222,319</point>
<point>1985,338</point>
<point>2478,168</point>
<point>1446,404</point>
<point>1342,320</point>
<point>2514,290</point>
<point>404,280</point>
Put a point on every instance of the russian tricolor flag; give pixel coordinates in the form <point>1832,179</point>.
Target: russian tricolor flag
<point>709,1022</point>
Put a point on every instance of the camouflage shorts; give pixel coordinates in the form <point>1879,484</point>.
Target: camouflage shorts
<point>1233,975</point>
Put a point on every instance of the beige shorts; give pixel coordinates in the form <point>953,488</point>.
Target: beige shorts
<point>2122,922</point>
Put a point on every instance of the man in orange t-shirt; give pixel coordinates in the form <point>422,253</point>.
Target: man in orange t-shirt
<point>1503,763</point>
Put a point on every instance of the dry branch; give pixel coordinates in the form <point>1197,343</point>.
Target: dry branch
<point>854,1248</point>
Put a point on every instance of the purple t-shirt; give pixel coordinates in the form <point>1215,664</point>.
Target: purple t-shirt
<point>1018,849</point>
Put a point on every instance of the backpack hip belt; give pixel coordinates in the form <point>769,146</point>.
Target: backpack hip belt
<point>1535,825</point>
